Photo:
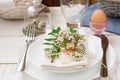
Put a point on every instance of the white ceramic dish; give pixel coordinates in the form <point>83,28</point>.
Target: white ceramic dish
<point>91,73</point>
<point>36,52</point>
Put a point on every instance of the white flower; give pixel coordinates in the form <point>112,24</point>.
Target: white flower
<point>67,36</point>
<point>77,56</point>
<point>73,40</point>
<point>60,38</point>
<point>70,45</point>
<point>70,38</point>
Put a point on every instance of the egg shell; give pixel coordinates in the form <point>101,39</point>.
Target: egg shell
<point>98,16</point>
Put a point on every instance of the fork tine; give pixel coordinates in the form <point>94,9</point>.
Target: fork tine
<point>33,36</point>
<point>31,33</point>
<point>27,33</point>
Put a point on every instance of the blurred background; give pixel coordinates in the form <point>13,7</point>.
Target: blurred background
<point>57,2</point>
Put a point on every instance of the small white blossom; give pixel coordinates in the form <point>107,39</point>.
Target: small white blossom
<point>70,38</point>
<point>70,45</point>
<point>67,36</point>
<point>73,41</point>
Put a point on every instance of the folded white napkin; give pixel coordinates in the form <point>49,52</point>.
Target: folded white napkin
<point>65,62</point>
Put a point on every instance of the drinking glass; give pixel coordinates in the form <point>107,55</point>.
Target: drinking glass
<point>98,28</point>
<point>73,11</point>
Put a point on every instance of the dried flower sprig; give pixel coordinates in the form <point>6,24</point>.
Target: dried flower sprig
<point>69,40</point>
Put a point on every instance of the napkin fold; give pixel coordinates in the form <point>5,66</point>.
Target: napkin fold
<point>113,23</point>
<point>64,63</point>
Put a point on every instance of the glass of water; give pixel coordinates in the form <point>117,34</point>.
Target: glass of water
<point>73,11</point>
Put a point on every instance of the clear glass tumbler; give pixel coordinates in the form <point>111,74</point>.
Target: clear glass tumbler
<point>73,11</point>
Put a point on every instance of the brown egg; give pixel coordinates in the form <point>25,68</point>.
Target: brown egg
<point>98,16</point>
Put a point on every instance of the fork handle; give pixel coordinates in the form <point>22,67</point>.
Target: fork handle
<point>21,65</point>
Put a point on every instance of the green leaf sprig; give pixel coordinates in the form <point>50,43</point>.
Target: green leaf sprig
<point>53,52</point>
<point>68,39</point>
<point>72,30</point>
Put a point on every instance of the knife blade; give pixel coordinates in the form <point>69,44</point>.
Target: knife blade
<point>104,69</point>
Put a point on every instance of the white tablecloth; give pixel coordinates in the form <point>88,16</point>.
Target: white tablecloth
<point>12,42</point>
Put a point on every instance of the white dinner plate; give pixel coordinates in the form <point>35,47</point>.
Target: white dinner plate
<point>94,51</point>
<point>92,72</point>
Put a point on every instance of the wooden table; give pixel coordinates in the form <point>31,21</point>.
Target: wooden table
<point>8,71</point>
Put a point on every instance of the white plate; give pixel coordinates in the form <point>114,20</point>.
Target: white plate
<point>91,73</point>
<point>36,51</point>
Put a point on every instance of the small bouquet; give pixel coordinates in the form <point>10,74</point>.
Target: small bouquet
<point>68,42</point>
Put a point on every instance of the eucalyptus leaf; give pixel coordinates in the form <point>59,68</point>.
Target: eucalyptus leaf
<point>48,49</point>
<point>52,34</point>
<point>65,42</point>
<point>55,49</point>
<point>50,39</point>
<point>56,30</point>
<point>72,30</point>
<point>48,43</point>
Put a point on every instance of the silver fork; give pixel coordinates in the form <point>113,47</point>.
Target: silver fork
<point>30,37</point>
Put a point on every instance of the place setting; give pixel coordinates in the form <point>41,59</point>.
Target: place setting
<point>67,53</point>
<point>65,68</point>
<point>59,39</point>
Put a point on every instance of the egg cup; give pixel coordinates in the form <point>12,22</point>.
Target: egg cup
<point>98,28</point>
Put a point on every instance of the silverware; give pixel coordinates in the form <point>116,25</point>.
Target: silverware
<point>104,69</point>
<point>30,37</point>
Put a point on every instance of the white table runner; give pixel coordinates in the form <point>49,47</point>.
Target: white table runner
<point>11,37</point>
<point>11,40</point>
